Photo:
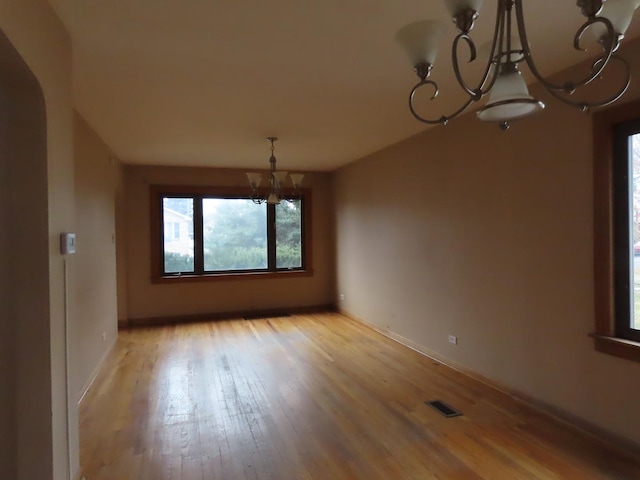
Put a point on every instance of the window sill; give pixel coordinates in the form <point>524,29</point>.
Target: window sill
<point>618,347</point>
<point>216,277</point>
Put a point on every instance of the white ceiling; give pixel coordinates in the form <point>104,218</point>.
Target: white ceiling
<point>203,82</point>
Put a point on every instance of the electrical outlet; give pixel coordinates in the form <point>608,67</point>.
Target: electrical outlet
<point>453,339</point>
<point>104,336</point>
<point>342,296</point>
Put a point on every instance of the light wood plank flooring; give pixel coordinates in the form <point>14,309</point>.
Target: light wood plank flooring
<point>311,397</point>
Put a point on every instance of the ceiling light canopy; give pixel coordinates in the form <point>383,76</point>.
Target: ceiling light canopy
<point>509,98</point>
<point>274,191</point>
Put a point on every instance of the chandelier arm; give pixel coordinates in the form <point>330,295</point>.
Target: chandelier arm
<point>456,63</point>
<point>497,49</point>
<point>480,91</point>
<point>569,87</point>
<point>257,200</point>
<point>609,50</point>
<point>622,90</point>
<point>443,120</point>
<point>586,106</point>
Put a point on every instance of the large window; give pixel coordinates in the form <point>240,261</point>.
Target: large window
<point>626,196</point>
<point>211,232</point>
<point>617,230</point>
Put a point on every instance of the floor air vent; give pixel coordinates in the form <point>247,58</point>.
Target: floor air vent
<point>260,316</point>
<point>443,408</point>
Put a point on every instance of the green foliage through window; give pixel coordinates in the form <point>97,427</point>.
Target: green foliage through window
<point>235,234</point>
<point>289,234</point>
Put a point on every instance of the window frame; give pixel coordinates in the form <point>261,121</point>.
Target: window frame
<point>158,192</point>
<point>623,255</point>
<point>606,178</point>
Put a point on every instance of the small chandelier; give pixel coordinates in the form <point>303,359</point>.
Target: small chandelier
<point>509,97</point>
<point>273,193</point>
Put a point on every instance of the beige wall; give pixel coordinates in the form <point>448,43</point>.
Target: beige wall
<point>147,300</point>
<point>41,168</point>
<point>487,235</point>
<point>98,182</point>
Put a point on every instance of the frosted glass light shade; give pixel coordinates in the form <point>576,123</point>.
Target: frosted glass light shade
<point>509,99</point>
<point>296,179</point>
<point>458,6</point>
<point>273,199</point>
<point>619,12</point>
<point>280,176</point>
<point>420,40</point>
<point>254,179</point>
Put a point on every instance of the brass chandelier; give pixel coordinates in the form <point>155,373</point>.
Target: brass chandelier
<point>509,98</point>
<point>274,192</point>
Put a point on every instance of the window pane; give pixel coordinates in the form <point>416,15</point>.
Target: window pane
<point>177,214</point>
<point>235,234</point>
<point>634,153</point>
<point>289,234</point>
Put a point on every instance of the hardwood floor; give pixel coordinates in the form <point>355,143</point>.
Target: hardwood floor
<point>311,397</point>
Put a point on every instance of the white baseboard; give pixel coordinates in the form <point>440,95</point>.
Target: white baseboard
<point>94,374</point>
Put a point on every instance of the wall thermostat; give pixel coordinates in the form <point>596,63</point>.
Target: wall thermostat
<point>67,243</point>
